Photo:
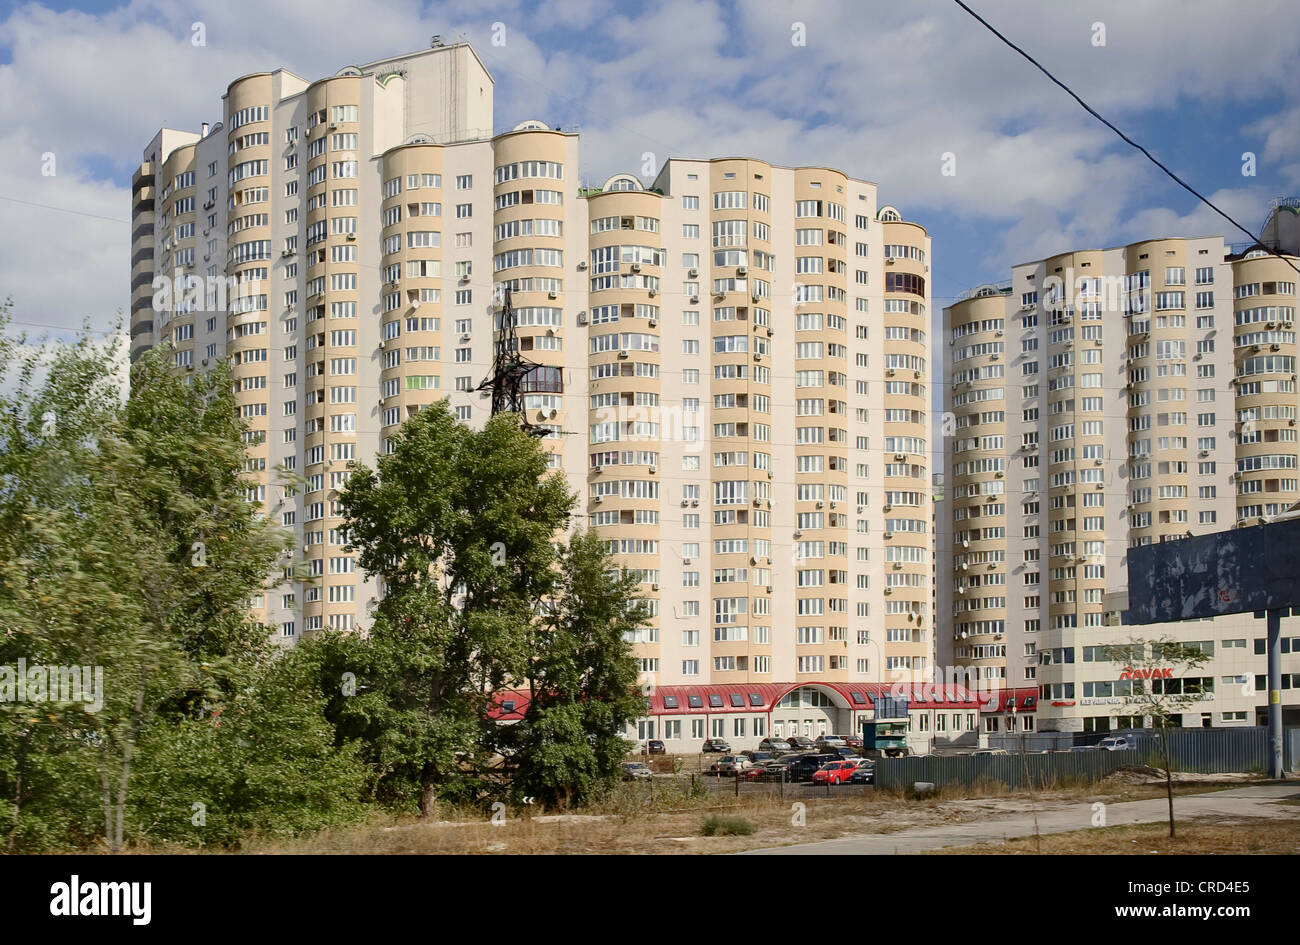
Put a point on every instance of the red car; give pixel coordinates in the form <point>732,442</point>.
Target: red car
<point>834,772</point>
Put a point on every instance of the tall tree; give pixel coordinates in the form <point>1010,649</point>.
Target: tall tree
<point>127,543</point>
<point>460,527</point>
<point>582,680</point>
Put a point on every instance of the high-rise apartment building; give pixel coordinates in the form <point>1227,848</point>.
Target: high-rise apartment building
<point>733,364</point>
<point>1104,399</point>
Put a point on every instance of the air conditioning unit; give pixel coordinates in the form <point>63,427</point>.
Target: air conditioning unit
<point>352,236</point>
<point>695,503</point>
<point>636,267</point>
<point>686,561</point>
<point>692,273</point>
<point>742,270</point>
<point>653,469</point>
<point>889,260</point>
<point>582,265</point>
<point>654,322</point>
<point>287,253</point>
<point>552,295</point>
<point>890,373</point>
<point>999,474</point>
<point>695,300</point>
<point>899,457</point>
<point>820,505</point>
<point>758,356</point>
<point>464,338</point>
<point>654,587</point>
<point>758,503</point>
<point>889,534</point>
<point>719,296</point>
<point>770,333</point>
<point>887,507</point>
<point>1099,462</point>
<point>582,318</point>
<point>1027,307</point>
<point>1274,347</point>
<point>898,565</point>
<point>622,354</point>
<point>685,503</point>
<point>597,498</point>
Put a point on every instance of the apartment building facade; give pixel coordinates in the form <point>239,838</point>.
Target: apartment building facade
<point>732,363</point>
<point>1104,399</point>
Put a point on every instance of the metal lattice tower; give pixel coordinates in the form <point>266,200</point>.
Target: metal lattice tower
<point>509,368</point>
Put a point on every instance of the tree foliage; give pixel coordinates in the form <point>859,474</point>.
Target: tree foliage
<point>127,543</point>
<point>462,526</point>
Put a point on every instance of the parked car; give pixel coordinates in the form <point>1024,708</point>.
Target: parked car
<point>803,767</point>
<point>990,751</point>
<point>865,773</point>
<point>716,746</point>
<point>1117,743</point>
<point>853,741</point>
<point>1084,748</point>
<point>636,771</point>
<point>799,743</point>
<point>655,747</point>
<point>759,772</point>
<point>730,764</point>
<point>834,772</point>
<point>823,742</point>
<point>844,751</point>
<point>758,757</point>
<point>778,770</point>
<point>774,745</point>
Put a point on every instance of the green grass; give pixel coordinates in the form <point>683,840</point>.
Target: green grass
<point>716,825</point>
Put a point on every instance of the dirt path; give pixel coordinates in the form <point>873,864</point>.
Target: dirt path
<point>1255,801</point>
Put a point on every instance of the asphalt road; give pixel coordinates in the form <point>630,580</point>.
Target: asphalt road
<point>1253,801</point>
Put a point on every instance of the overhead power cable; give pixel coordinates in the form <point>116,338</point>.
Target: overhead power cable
<point>1149,156</point>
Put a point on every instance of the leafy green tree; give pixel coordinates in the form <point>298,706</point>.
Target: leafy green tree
<point>582,681</point>
<point>459,525</point>
<point>127,542</point>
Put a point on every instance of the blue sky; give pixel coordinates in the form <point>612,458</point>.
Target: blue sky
<point>880,90</point>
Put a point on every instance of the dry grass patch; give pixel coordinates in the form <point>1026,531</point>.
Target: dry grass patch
<point>1263,835</point>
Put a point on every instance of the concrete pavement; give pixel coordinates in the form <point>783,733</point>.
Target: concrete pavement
<point>1253,801</point>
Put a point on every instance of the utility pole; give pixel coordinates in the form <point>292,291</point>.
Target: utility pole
<point>1274,688</point>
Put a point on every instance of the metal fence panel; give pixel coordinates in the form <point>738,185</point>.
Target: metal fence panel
<point>1207,751</point>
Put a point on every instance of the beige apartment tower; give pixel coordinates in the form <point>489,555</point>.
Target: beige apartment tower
<point>733,361</point>
<point>1104,399</point>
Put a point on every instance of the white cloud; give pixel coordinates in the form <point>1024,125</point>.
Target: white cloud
<point>880,91</point>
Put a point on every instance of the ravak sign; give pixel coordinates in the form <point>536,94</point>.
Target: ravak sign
<point>1131,673</point>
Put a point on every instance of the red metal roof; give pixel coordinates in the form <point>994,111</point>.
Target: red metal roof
<point>999,699</point>
<point>858,695</point>
<point>503,711</point>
